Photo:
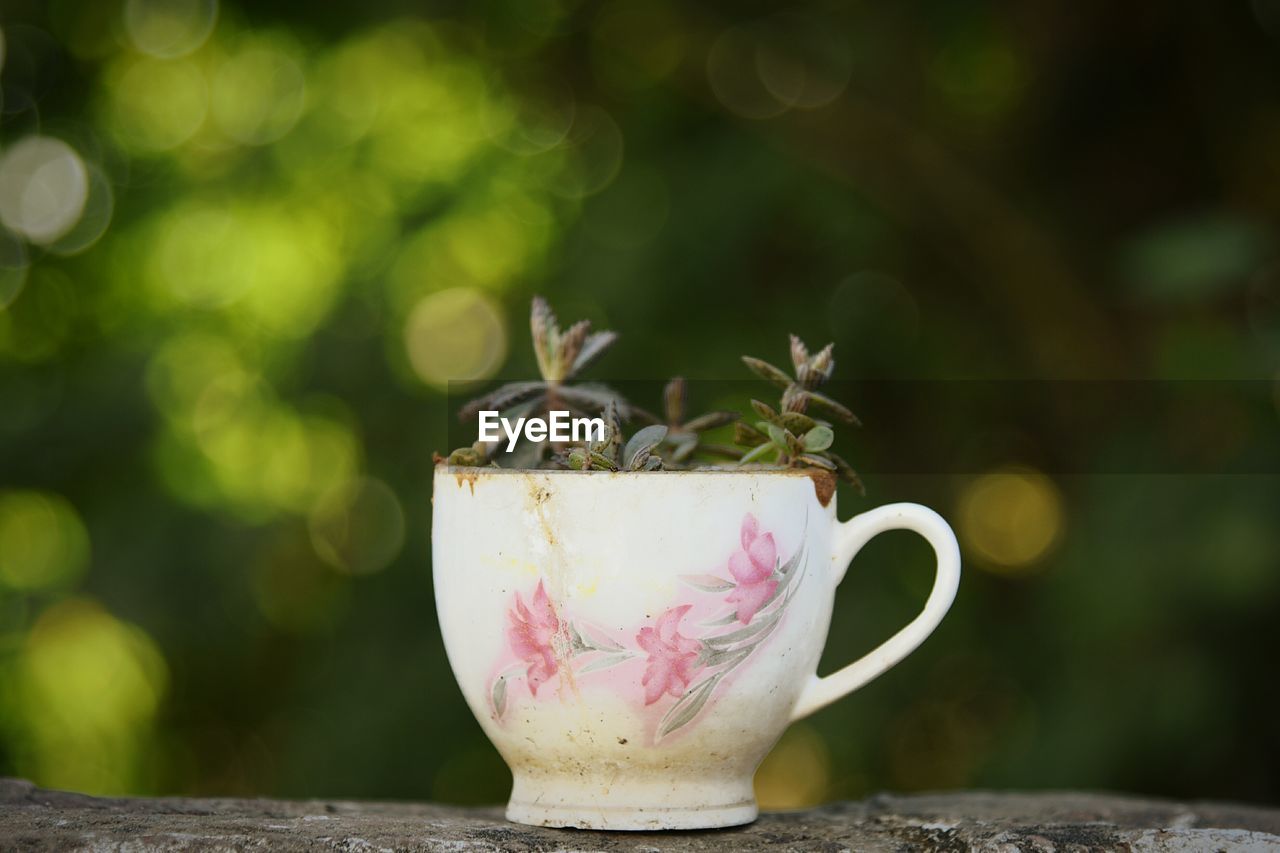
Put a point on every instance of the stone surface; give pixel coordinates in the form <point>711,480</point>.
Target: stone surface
<point>36,819</point>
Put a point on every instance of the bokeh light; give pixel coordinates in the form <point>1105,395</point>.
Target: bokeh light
<point>258,91</point>
<point>594,148</point>
<point>94,218</point>
<point>275,268</point>
<point>43,542</point>
<point>169,28</point>
<point>1194,257</point>
<point>184,367</point>
<point>796,774</point>
<point>455,335</point>
<point>637,44</point>
<point>361,529</point>
<point>190,258</point>
<point>536,118</point>
<point>1010,518</point>
<point>488,247</point>
<point>232,443</point>
<point>735,79</point>
<point>43,188</point>
<point>88,687</point>
<point>804,62</point>
<point>154,105</point>
<point>978,71</point>
<point>268,458</point>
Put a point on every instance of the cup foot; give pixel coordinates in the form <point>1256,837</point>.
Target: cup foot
<point>632,818</point>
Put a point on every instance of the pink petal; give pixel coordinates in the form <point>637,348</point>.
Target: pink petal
<point>682,674</point>
<point>748,532</point>
<point>647,639</point>
<point>522,611</point>
<point>686,646</point>
<point>545,613</point>
<point>745,570</point>
<point>750,598</point>
<point>540,671</point>
<point>669,622</point>
<point>520,643</point>
<point>764,554</point>
<point>656,680</point>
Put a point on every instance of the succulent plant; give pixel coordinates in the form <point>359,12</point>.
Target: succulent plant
<point>561,356</point>
<point>610,454</point>
<point>788,433</point>
<point>683,438</point>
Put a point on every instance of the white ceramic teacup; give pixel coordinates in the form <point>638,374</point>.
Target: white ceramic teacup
<point>635,643</point>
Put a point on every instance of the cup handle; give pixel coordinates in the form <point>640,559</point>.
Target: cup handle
<point>849,538</point>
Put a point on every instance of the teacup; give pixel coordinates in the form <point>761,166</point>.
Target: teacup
<point>635,643</point>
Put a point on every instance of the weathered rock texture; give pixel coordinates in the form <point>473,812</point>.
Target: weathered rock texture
<point>35,819</point>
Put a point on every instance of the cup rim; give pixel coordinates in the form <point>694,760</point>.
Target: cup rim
<point>824,482</point>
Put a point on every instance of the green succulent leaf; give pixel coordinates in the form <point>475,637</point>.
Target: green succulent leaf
<point>832,406</point>
<point>794,447</point>
<point>600,462</point>
<point>643,442</point>
<point>469,457</point>
<point>612,445</point>
<point>757,453</point>
<point>778,436</point>
<point>767,371</point>
<point>796,422</point>
<point>765,411</point>
<point>818,438</point>
<point>816,461</point>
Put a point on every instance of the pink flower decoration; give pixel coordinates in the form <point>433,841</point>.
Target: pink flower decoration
<point>530,631</point>
<point>752,568</point>
<point>672,656</point>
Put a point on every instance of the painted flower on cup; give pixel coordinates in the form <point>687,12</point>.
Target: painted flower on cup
<point>531,630</point>
<point>545,639</point>
<point>673,657</point>
<point>752,568</point>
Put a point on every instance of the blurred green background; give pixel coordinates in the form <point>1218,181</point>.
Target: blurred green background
<point>245,245</point>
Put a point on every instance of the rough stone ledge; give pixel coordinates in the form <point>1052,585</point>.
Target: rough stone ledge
<point>35,819</point>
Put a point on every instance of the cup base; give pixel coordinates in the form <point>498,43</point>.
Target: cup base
<point>632,801</point>
<point>634,819</point>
